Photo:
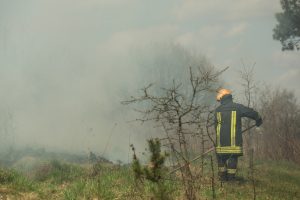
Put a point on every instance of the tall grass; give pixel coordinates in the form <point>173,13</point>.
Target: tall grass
<point>58,172</point>
<point>111,183</point>
<point>16,180</point>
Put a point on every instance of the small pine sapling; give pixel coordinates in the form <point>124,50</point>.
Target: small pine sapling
<point>154,173</point>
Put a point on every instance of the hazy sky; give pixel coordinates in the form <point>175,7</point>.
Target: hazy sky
<point>65,65</point>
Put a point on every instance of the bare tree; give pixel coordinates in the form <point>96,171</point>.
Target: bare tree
<point>249,86</point>
<point>280,138</point>
<point>180,113</point>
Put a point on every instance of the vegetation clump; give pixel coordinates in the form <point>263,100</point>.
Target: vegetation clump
<point>153,175</point>
<point>58,172</point>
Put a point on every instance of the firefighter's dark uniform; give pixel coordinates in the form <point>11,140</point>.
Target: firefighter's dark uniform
<point>229,141</point>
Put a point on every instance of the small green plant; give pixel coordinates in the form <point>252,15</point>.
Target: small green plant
<point>153,175</point>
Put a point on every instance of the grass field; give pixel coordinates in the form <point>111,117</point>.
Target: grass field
<point>55,179</point>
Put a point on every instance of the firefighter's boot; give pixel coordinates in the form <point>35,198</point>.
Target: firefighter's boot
<point>231,174</point>
<point>222,174</point>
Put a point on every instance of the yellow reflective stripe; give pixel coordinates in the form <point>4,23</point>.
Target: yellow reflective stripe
<point>229,152</point>
<point>233,128</point>
<point>229,149</point>
<point>231,171</point>
<point>218,128</point>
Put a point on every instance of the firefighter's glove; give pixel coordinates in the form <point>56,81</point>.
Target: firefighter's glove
<point>258,122</point>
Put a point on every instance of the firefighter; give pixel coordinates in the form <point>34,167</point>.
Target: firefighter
<point>229,141</point>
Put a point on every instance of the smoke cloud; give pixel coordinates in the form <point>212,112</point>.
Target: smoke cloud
<point>67,65</point>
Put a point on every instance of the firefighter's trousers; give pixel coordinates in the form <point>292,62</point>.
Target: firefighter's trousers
<point>227,165</point>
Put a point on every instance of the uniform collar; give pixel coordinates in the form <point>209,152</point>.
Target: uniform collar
<point>226,99</point>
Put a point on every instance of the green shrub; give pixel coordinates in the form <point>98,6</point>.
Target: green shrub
<point>153,175</point>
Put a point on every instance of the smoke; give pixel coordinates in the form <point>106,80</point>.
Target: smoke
<point>67,65</point>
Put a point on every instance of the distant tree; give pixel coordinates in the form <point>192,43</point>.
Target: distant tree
<point>287,31</point>
<point>280,137</point>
